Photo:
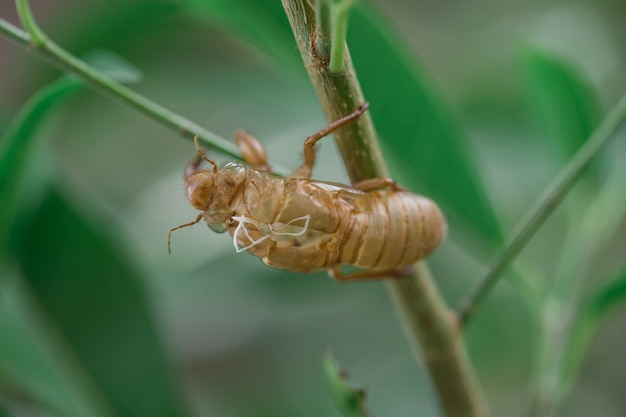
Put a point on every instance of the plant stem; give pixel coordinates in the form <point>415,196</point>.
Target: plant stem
<point>545,205</point>
<point>63,60</point>
<point>14,33</point>
<point>429,323</point>
<point>437,338</point>
<point>340,13</point>
<point>37,37</point>
<point>331,27</point>
<point>323,29</point>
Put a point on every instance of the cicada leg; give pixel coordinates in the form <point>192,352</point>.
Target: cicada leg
<point>304,171</point>
<point>298,259</point>
<point>191,223</point>
<point>194,165</point>
<point>252,151</point>
<point>367,275</point>
<point>377,183</point>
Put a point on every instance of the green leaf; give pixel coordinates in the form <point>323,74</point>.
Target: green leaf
<point>263,24</point>
<point>17,145</point>
<point>610,296</point>
<point>93,295</point>
<point>607,300</point>
<point>111,25</point>
<point>348,399</point>
<point>339,16</point>
<point>114,66</point>
<point>422,139</point>
<point>563,100</point>
<point>33,366</point>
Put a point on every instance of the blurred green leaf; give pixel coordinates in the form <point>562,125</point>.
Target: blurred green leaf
<point>607,209</point>
<point>563,100</point>
<point>263,24</point>
<point>107,25</point>
<point>114,66</point>
<point>348,399</point>
<point>602,303</point>
<point>33,368</point>
<point>17,144</point>
<point>93,296</point>
<point>422,139</point>
<point>610,296</point>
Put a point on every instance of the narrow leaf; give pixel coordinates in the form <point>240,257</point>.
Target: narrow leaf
<point>563,100</point>
<point>33,367</point>
<point>17,144</point>
<point>348,399</point>
<point>606,301</point>
<point>93,296</point>
<point>611,296</point>
<point>263,24</point>
<point>114,66</point>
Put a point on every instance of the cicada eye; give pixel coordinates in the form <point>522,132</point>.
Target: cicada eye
<point>200,190</point>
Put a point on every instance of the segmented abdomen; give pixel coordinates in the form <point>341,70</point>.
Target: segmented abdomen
<point>393,230</point>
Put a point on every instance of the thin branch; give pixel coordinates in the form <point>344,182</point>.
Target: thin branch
<point>323,29</point>
<point>340,14</point>
<point>63,60</point>
<point>37,37</point>
<point>430,325</point>
<point>14,33</point>
<point>331,27</point>
<point>437,338</point>
<point>544,206</point>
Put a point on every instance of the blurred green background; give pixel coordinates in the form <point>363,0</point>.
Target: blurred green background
<point>97,319</point>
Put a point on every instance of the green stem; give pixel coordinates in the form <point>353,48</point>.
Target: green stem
<point>340,15</point>
<point>331,19</point>
<point>323,29</point>
<point>429,323</point>
<point>38,38</point>
<point>545,205</point>
<point>38,43</point>
<point>14,33</point>
<point>436,337</point>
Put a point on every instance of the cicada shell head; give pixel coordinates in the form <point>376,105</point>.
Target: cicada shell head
<point>200,187</point>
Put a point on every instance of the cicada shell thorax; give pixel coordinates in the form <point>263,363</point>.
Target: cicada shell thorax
<point>281,213</point>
